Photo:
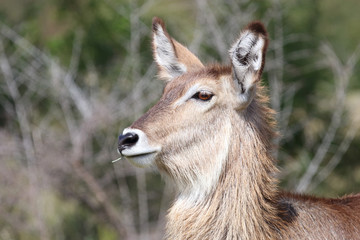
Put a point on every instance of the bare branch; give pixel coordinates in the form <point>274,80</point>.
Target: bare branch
<point>335,160</point>
<point>76,94</point>
<point>25,129</point>
<point>211,23</point>
<point>342,76</point>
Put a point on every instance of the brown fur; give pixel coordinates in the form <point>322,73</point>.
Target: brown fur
<point>243,200</point>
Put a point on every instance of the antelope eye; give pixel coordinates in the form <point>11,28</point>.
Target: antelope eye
<point>203,95</point>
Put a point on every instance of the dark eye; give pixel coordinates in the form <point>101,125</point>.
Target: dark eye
<point>203,95</point>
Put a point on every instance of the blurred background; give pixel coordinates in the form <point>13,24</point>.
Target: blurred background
<point>74,73</point>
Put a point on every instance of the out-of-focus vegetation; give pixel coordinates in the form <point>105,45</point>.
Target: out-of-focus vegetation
<point>74,73</point>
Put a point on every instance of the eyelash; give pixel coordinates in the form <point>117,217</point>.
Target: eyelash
<point>203,96</point>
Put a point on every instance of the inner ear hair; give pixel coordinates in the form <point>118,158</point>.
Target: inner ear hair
<point>173,59</point>
<point>165,53</point>
<point>248,58</point>
<point>259,28</point>
<point>248,52</point>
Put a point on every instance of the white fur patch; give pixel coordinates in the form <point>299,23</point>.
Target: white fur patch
<point>190,92</point>
<point>142,154</point>
<point>202,106</point>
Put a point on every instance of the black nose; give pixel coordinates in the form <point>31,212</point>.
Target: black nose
<point>127,140</point>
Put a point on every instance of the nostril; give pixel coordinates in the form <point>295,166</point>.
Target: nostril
<point>127,140</point>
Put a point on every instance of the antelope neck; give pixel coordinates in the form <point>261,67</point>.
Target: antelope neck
<point>239,192</point>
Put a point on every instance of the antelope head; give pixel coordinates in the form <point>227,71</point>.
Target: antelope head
<point>190,133</point>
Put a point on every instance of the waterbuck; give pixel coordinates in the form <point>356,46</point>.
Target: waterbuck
<point>211,135</point>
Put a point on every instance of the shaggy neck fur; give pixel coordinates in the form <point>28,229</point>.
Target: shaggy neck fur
<point>243,205</point>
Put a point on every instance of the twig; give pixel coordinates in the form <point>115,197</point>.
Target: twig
<point>335,160</point>
<point>342,76</point>
<point>216,31</point>
<point>78,97</point>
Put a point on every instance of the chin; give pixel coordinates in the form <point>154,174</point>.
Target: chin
<point>142,160</point>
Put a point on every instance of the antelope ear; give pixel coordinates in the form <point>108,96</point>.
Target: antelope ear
<point>172,58</point>
<point>248,58</point>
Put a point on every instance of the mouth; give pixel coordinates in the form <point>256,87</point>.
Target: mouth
<point>141,159</point>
